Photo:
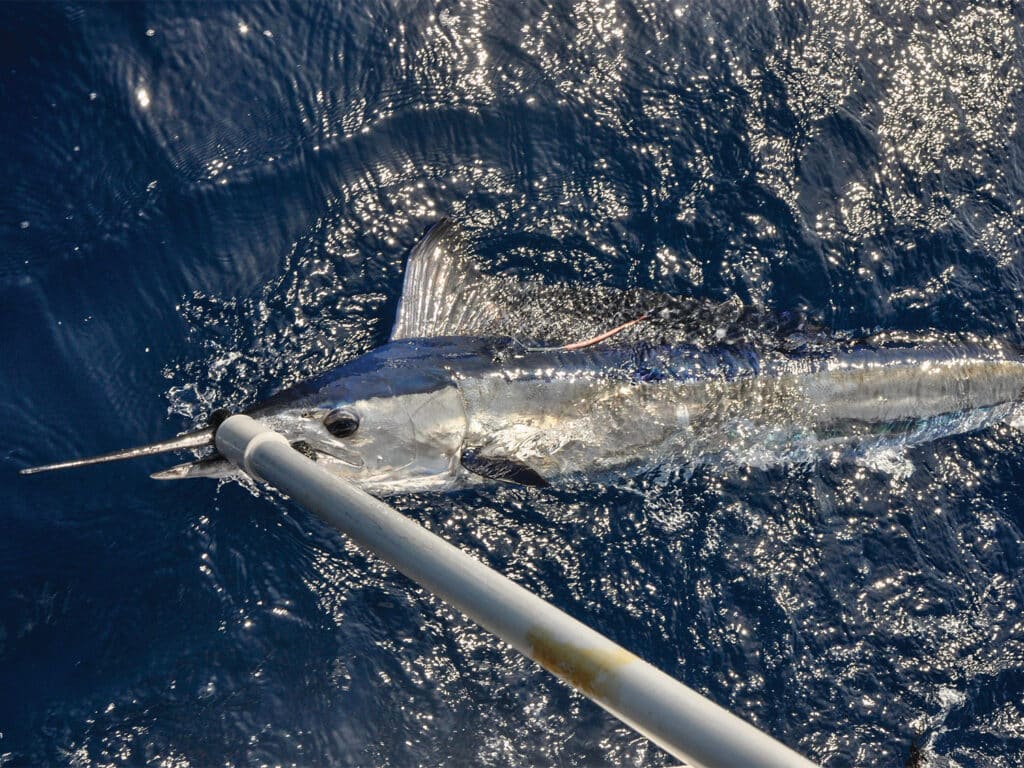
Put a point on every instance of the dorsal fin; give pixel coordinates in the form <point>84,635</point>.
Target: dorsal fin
<point>444,292</point>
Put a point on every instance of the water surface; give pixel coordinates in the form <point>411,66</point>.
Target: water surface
<point>203,203</point>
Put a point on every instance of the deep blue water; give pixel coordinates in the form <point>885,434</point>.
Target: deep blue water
<point>202,203</point>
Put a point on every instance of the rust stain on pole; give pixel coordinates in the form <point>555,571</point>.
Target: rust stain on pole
<point>584,668</point>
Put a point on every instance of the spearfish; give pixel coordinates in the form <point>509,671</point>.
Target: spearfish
<point>487,379</point>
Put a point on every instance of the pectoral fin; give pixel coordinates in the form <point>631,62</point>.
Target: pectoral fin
<point>503,469</point>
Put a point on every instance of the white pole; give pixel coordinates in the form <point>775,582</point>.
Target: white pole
<point>673,716</point>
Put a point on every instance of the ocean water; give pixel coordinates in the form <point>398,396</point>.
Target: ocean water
<point>204,202</point>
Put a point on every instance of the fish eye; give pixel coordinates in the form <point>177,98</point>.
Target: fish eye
<point>341,422</point>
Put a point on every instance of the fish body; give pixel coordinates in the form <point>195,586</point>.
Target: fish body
<point>423,405</point>
<point>480,384</point>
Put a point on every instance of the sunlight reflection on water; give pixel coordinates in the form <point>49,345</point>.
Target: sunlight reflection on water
<point>859,160</point>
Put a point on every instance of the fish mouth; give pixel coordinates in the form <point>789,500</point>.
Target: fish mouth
<point>335,454</point>
<point>217,466</point>
<point>213,466</point>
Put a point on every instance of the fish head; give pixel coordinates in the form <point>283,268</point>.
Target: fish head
<point>384,444</point>
<point>391,421</point>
